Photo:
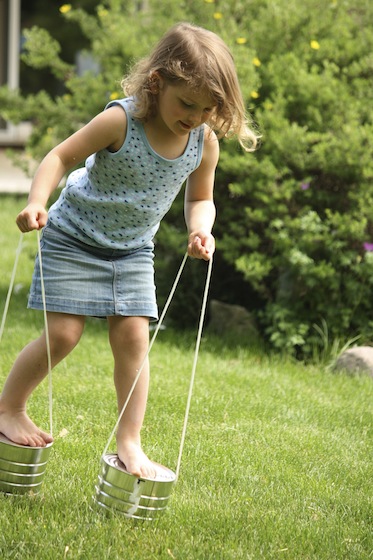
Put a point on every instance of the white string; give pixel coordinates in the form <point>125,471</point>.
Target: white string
<point>166,306</point>
<point>198,342</point>
<point>12,278</point>
<point>5,312</point>
<point>47,341</point>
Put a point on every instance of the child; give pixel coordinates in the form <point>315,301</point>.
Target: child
<point>97,242</point>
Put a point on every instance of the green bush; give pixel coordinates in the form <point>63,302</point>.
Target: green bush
<point>303,206</point>
<point>294,223</point>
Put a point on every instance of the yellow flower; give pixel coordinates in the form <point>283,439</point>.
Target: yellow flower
<point>241,40</point>
<point>315,44</point>
<point>254,94</point>
<point>268,105</point>
<point>209,1</point>
<point>65,8</point>
<point>114,95</point>
<point>256,61</point>
<point>218,15</point>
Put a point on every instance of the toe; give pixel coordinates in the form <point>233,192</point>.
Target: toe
<point>47,438</point>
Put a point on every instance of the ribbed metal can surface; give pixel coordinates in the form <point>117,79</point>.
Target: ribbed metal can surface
<point>22,468</point>
<point>134,497</point>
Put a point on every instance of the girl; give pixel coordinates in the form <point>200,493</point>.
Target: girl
<point>97,242</point>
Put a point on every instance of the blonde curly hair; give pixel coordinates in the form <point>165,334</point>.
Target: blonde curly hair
<point>199,58</point>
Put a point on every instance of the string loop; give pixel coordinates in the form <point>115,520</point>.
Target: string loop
<point>5,313</point>
<point>198,341</point>
<point>159,324</point>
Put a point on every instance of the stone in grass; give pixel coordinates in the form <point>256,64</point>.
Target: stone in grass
<point>356,360</point>
<point>234,320</point>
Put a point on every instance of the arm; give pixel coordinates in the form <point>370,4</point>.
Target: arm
<point>106,130</point>
<point>199,207</point>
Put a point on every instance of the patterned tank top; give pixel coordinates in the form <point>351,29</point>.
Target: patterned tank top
<point>117,200</point>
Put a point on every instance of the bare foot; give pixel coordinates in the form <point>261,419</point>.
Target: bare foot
<point>135,460</point>
<point>18,427</point>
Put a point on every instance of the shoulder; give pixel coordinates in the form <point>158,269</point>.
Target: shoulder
<point>210,146</point>
<point>107,130</point>
<point>114,118</point>
<point>205,172</point>
<point>111,119</point>
<point>115,112</point>
<point>210,136</point>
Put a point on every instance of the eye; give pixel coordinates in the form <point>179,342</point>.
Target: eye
<point>185,104</point>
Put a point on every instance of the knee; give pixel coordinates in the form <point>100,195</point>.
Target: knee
<point>64,336</point>
<point>129,334</point>
<point>64,342</point>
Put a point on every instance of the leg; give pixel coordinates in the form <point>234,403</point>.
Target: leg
<point>29,369</point>
<point>129,339</point>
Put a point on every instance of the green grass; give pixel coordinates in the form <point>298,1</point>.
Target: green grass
<point>276,464</point>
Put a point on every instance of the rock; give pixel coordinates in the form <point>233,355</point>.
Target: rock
<point>231,319</point>
<point>356,360</point>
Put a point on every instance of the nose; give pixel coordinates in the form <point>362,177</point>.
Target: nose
<point>195,117</point>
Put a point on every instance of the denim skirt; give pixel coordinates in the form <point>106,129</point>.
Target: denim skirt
<point>85,280</point>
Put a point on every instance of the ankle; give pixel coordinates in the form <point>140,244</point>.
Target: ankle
<point>9,408</point>
<point>129,440</point>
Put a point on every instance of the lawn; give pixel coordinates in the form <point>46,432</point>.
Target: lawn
<point>277,462</point>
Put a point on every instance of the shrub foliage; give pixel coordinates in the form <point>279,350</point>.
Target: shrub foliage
<point>294,229</point>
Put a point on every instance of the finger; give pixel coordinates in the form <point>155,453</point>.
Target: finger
<point>198,251</point>
<point>22,226</point>
<point>27,223</point>
<point>206,245</point>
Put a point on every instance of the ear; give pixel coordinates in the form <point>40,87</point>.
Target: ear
<point>156,82</point>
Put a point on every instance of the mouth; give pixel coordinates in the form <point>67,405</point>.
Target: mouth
<point>185,126</point>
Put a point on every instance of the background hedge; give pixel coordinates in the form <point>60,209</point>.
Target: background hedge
<point>294,229</point>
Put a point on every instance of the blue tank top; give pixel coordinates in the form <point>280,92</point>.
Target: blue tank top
<point>118,199</point>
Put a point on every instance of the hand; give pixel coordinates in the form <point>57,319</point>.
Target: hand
<point>34,216</point>
<point>201,245</point>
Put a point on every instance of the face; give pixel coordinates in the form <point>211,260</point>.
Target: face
<point>181,109</point>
